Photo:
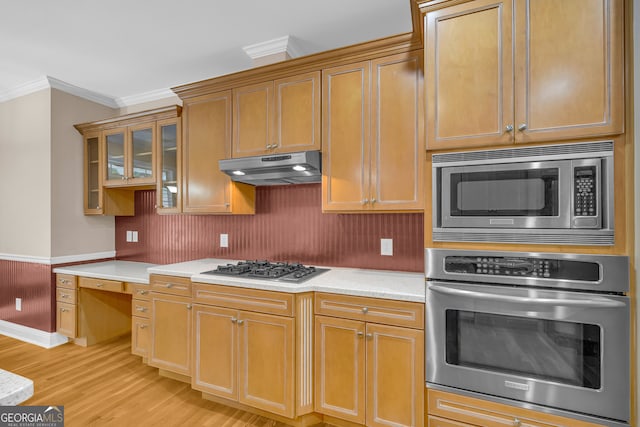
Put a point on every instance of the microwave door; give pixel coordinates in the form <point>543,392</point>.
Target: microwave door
<point>511,195</point>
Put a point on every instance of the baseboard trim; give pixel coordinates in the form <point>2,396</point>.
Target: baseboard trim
<point>32,335</point>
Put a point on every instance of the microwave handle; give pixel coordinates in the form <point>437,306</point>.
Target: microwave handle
<point>599,303</point>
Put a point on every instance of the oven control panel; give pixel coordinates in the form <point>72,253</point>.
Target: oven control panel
<point>584,191</point>
<point>538,268</point>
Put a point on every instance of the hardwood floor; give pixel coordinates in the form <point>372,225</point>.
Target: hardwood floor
<point>105,385</point>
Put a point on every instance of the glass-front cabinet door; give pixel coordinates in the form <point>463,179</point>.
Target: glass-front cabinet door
<point>168,189</point>
<point>92,187</point>
<point>141,154</point>
<point>115,165</point>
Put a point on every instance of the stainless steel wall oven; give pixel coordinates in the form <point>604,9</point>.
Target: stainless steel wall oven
<point>542,194</point>
<point>541,330</point>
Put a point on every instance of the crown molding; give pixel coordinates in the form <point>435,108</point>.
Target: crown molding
<point>271,47</point>
<point>155,95</point>
<point>25,89</point>
<point>82,93</point>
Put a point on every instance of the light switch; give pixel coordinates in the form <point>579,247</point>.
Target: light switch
<point>386,247</point>
<point>18,304</point>
<point>129,236</point>
<point>224,240</point>
<point>134,236</point>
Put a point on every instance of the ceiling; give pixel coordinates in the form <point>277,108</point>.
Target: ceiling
<point>123,49</point>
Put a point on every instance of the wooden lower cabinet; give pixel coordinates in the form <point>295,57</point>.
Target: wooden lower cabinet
<point>171,333</point>
<point>66,323</point>
<point>369,373</point>
<point>245,356</point>
<point>140,336</point>
<point>450,409</point>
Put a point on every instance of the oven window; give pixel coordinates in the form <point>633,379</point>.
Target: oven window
<point>564,352</point>
<point>522,192</point>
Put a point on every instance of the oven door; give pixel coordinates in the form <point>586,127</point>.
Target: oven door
<point>511,195</point>
<point>562,349</point>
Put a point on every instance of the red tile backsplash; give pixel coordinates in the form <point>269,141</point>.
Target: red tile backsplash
<point>288,226</point>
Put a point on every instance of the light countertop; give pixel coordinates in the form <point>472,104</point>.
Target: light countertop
<point>14,389</point>
<point>347,281</point>
<point>124,271</point>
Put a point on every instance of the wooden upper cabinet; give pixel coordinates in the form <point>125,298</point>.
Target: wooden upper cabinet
<point>207,139</point>
<point>130,155</point>
<point>93,201</point>
<point>278,116</point>
<point>168,190</point>
<point>500,72</point>
<point>373,135</point>
<point>570,62</point>
<point>469,73</point>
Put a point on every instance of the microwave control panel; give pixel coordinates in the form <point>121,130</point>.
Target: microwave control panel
<point>584,181</point>
<point>539,268</point>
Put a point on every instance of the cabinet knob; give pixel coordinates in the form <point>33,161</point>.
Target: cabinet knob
<point>100,285</point>
<point>98,207</point>
<point>365,201</point>
<point>240,321</point>
<point>369,336</point>
<point>234,320</point>
<point>64,296</point>
<point>508,128</point>
<point>189,306</point>
<point>373,200</point>
<point>143,326</point>
<point>64,310</point>
<point>522,126</point>
<point>141,309</point>
<point>360,334</point>
<point>517,422</point>
<point>143,292</point>
<point>365,310</point>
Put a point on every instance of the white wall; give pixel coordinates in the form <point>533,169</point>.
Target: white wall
<point>25,171</point>
<point>73,233</point>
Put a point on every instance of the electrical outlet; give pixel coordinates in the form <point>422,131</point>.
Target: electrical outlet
<point>134,236</point>
<point>224,240</point>
<point>386,247</point>
<point>129,236</point>
<point>18,304</point>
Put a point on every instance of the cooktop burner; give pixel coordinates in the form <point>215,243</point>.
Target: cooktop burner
<point>280,271</point>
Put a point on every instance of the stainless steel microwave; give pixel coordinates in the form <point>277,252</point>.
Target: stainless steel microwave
<point>549,194</point>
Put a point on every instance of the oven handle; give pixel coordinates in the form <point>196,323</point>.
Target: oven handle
<point>600,303</point>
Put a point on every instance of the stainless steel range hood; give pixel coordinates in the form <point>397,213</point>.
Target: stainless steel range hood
<point>277,169</point>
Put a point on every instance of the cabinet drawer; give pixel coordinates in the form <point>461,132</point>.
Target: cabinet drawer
<point>170,284</point>
<point>66,295</point>
<point>388,312</point>
<point>66,281</point>
<point>101,284</point>
<point>66,319</point>
<point>270,302</point>
<point>139,291</point>
<point>478,412</point>
<point>443,422</point>
<point>140,308</point>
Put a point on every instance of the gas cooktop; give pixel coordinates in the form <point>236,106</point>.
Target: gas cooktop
<point>278,271</point>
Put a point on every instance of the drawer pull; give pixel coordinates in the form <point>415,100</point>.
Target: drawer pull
<point>143,326</point>
<point>169,285</point>
<point>142,292</point>
<point>64,295</point>
<point>516,422</point>
<point>365,310</point>
<point>64,281</point>
<point>100,285</point>
<point>64,310</point>
<point>141,309</point>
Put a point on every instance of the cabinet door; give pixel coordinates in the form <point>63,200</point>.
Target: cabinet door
<point>169,169</point>
<point>66,323</point>
<point>297,113</point>
<point>397,140</point>
<point>115,172</point>
<point>340,368</point>
<point>93,202</point>
<point>395,376</point>
<point>140,336</point>
<point>207,139</point>
<point>170,333</point>
<point>215,351</point>
<point>266,362</point>
<point>253,119</point>
<point>141,154</point>
<point>569,57</point>
<point>469,71</point>
<point>345,132</point>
